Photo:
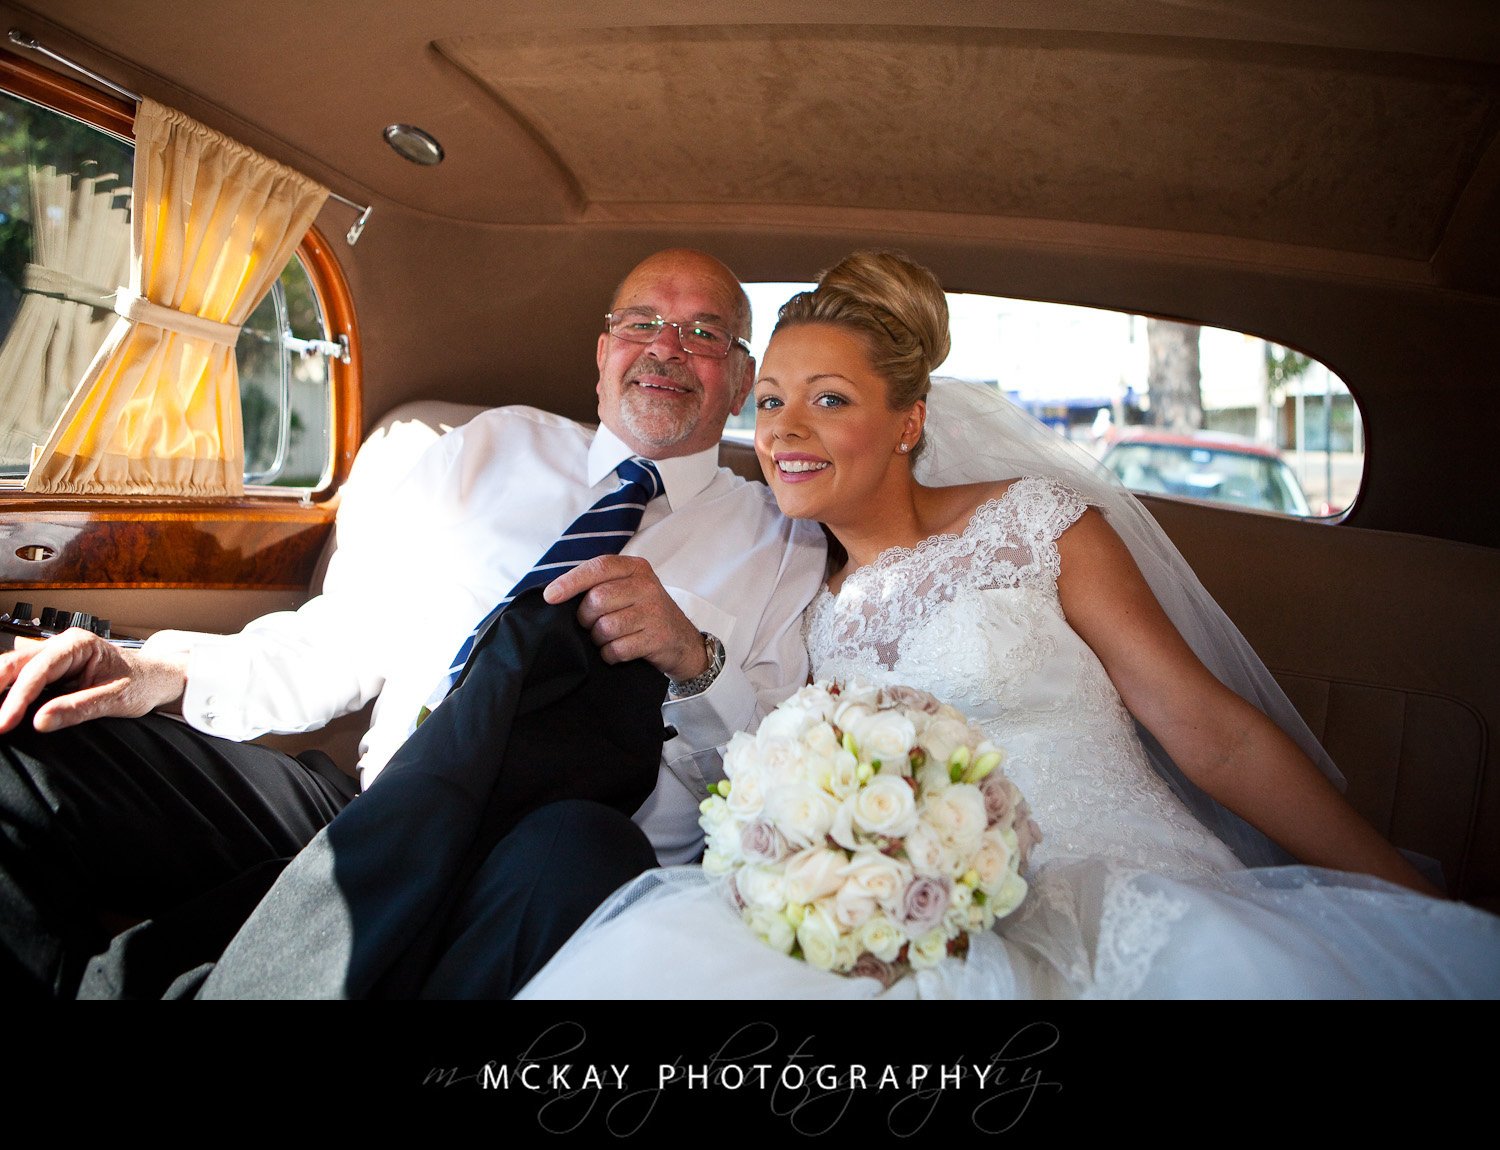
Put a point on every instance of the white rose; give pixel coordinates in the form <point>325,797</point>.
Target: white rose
<point>789,721</point>
<point>853,906</point>
<point>741,754</point>
<point>801,811</point>
<point>942,736</point>
<point>762,886</point>
<point>813,874</point>
<point>886,737</point>
<point>926,853</point>
<point>929,950</point>
<point>958,816</point>
<point>818,935</point>
<point>780,761</point>
<point>817,697</point>
<point>761,842</point>
<point>860,693</point>
<point>880,877</point>
<point>746,796</point>
<point>993,861</point>
<point>885,807</point>
<point>821,741</point>
<point>882,937</point>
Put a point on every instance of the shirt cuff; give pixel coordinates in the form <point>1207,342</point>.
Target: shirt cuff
<point>217,683</point>
<point>709,720</point>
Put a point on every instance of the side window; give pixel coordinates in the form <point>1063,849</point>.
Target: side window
<point>1172,409</point>
<point>65,202</point>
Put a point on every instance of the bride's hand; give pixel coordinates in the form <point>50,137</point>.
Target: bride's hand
<point>630,615</point>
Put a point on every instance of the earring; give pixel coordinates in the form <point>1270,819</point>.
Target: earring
<point>904,448</point>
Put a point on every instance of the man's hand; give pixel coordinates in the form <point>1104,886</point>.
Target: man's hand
<point>630,615</point>
<point>103,680</point>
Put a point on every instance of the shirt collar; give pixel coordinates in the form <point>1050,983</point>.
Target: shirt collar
<point>684,476</point>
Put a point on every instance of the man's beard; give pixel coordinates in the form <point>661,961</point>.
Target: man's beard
<point>661,420</point>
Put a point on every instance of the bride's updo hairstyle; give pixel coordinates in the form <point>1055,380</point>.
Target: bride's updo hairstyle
<point>897,307</point>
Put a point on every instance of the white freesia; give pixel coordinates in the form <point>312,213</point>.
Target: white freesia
<point>843,775</point>
<point>713,812</point>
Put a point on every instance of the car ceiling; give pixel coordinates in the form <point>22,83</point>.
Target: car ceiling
<point>1302,171</point>
<point>1173,117</point>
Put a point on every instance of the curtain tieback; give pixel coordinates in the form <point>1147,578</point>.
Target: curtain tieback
<point>39,279</point>
<point>138,309</point>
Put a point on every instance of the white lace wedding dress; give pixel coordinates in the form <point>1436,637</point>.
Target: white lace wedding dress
<point>1130,895</point>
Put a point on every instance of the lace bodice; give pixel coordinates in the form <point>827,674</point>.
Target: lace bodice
<point>975,619</point>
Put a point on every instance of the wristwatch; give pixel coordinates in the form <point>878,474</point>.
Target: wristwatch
<point>714,649</point>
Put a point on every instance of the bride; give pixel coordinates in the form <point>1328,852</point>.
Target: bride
<point>979,559</point>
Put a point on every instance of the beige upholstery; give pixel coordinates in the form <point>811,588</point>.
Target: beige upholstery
<point>1386,643</point>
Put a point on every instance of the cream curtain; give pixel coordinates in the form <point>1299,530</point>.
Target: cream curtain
<point>81,252</point>
<point>157,412</point>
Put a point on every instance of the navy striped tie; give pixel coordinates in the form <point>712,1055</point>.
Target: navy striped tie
<point>603,529</point>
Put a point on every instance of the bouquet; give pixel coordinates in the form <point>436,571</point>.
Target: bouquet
<point>867,830</point>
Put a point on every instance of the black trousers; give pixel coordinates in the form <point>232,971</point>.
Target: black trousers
<point>494,833</point>
<point>122,820</point>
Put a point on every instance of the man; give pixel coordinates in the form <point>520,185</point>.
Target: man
<point>140,817</point>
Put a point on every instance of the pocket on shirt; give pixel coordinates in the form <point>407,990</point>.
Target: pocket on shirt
<point>705,616</point>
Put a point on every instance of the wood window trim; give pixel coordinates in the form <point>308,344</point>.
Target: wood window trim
<point>269,541</point>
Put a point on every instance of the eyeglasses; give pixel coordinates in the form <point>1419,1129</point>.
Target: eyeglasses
<point>637,325</point>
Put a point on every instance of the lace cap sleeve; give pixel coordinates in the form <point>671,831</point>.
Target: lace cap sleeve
<point>1044,508</point>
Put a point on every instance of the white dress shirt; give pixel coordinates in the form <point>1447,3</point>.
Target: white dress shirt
<point>422,560</point>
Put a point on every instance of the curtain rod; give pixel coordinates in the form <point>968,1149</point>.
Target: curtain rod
<point>26,40</point>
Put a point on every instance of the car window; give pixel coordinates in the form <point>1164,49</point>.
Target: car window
<point>1171,408</point>
<point>65,201</point>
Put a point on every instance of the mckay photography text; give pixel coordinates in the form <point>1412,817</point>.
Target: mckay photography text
<point>807,1082</point>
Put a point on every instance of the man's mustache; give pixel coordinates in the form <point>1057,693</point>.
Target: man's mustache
<point>675,372</point>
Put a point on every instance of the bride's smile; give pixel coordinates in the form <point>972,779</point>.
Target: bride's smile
<point>829,443</point>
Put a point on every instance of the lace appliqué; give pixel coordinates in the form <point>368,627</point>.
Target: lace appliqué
<point>975,619</point>
<point>1009,542</point>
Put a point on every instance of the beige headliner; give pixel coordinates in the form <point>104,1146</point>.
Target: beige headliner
<point>1324,174</point>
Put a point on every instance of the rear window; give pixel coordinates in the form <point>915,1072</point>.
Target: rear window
<point>1173,409</point>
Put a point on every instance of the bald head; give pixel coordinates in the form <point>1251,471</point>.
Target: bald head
<point>658,397</point>
<point>689,262</point>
